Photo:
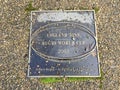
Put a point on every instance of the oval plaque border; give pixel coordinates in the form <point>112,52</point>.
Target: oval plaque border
<point>57,59</point>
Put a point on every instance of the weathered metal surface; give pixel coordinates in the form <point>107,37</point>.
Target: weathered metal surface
<point>63,43</point>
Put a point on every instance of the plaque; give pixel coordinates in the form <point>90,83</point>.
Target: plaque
<point>63,43</point>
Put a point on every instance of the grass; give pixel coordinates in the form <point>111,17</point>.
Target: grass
<point>69,79</point>
<point>83,8</point>
<point>30,7</point>
<point>86,8</point>
<point>101,79</point>
<point>50,80</point>
<point>72,79</point>
<point>96,9</point>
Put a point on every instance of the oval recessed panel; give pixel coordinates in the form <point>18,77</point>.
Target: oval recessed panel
<point>63,41</point>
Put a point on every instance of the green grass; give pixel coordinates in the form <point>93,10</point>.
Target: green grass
<point>50,80</point>
<point>30,7</point>
<point>101,79</point>
<point>72,79</point>
<point>69,79</point>
<point>96,9</point>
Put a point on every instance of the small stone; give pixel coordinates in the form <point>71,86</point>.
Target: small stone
<point>0,65</point>
<point>51,88</point>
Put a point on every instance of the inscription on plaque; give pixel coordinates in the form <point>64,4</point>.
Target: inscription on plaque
<point>65,46</point>
<point>65,41</point>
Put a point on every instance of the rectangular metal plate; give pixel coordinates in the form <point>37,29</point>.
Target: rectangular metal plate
<point>63,43</point>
